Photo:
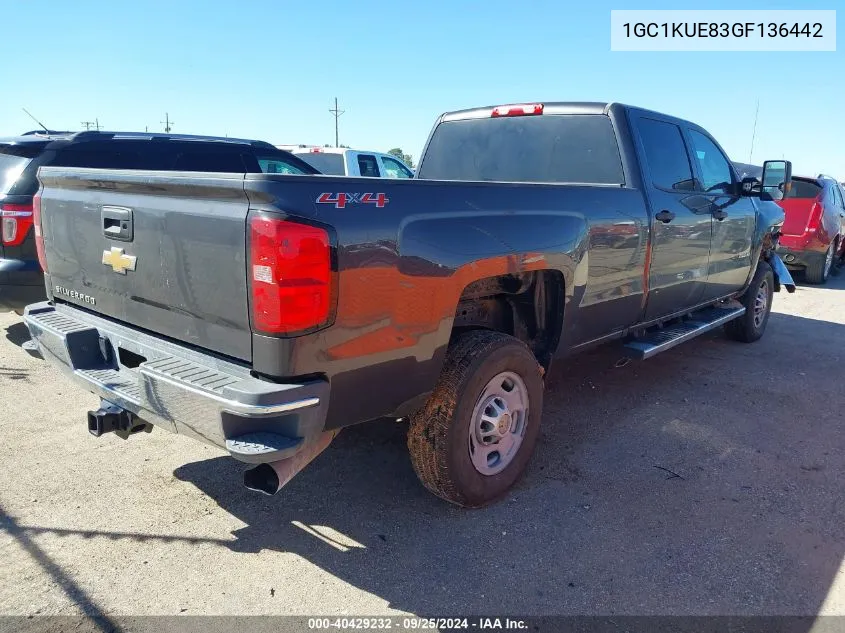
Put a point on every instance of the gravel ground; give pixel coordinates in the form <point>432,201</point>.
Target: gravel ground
<point>707,480</point>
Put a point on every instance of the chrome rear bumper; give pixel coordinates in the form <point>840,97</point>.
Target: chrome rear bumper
<point>179,388</point>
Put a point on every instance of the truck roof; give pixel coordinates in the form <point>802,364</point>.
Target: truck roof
<point>316,149</point>
<point>549,107</point>
<point>560,107</point>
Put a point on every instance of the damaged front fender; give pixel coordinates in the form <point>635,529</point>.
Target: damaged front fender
<point>782,275</point>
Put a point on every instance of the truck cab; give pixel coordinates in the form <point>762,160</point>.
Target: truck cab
<point>340,161</point>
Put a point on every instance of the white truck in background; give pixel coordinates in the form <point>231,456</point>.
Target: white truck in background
<point>342,161</point>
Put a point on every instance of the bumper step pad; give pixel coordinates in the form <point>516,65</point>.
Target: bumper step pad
<point>262,447</point>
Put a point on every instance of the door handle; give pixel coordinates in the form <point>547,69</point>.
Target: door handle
<point>117,223</point>
<point>665,216</point>
<point>720,215</point>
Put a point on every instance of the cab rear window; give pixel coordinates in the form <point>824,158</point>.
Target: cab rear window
<point>553,148</point>
<point>325,163</point>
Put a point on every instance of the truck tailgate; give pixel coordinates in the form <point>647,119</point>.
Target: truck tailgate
<point>162,251</point>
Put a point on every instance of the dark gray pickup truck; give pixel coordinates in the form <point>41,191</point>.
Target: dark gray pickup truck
<point>261,313</point>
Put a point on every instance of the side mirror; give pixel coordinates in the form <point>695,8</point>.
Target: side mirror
<point>777,175</point>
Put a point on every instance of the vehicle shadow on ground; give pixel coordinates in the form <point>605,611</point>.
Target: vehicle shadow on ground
<point>17,333</point>
<point>626,508</point>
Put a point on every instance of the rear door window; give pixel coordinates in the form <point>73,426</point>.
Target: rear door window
<point>394,169</point>
<point>213,161</point>
<point>666,155</point>
<point>550,148</point>
<point>367,166</point>
<point>279,165</point>
<point>107,155</point>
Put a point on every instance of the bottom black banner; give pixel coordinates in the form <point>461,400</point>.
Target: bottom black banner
<point>550,624</point>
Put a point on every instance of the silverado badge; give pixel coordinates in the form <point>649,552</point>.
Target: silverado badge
<point>119,262</point>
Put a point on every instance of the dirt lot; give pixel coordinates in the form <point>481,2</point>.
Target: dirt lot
<point>708,480</point>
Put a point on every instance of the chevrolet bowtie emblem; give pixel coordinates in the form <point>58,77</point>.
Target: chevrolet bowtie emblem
<point>119,262</point>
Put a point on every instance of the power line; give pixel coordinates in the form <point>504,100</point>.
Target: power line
<point>92,124</point>
<point>336,114</point>
<point>167,123</point>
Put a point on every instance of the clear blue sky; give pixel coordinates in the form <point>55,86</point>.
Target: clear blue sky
<point>270,70</point>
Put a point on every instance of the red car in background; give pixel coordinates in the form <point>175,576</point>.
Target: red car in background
<point>813,239</point>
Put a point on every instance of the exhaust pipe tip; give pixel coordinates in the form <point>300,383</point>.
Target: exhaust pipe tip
<point>262,478</point>
<point>269,478</point>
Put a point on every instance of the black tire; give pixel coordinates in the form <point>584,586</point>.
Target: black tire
<point>438,436</point>
<point>818,269</point>
<point>748,328</point>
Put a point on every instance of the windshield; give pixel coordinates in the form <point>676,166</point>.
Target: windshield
<point>548,148</point>
<point>325,163</point>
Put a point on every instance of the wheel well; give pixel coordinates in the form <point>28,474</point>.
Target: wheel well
<point>528,306</point>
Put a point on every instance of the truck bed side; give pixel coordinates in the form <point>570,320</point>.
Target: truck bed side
<point>403,269</point>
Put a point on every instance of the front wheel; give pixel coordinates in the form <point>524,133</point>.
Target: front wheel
<point>474,437</point>
<point>758,306</point>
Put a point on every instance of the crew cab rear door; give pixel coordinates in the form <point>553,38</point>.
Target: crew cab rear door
<point>680,217</point>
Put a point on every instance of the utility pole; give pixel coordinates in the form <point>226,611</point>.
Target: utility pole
<point>167,123</point>
<point>336,114</point>
<point>92,124</point>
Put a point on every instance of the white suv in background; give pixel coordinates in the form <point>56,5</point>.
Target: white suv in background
<point>339,161</point>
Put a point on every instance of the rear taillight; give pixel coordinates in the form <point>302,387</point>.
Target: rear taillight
<point>290,276</point>
<point>16,219</point>
<point>39,232</point>
<point>815,218</point>
<point>519,109</point>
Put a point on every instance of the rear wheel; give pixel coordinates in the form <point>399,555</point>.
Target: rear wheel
<point>818,270</point>
<point>474,437</point>
<point>757,300</point>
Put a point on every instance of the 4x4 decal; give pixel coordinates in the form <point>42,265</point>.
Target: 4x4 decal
<point>340,200</point>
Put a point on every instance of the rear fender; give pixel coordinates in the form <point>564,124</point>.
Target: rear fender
<point>456,251</point>
<point>441,257</point>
